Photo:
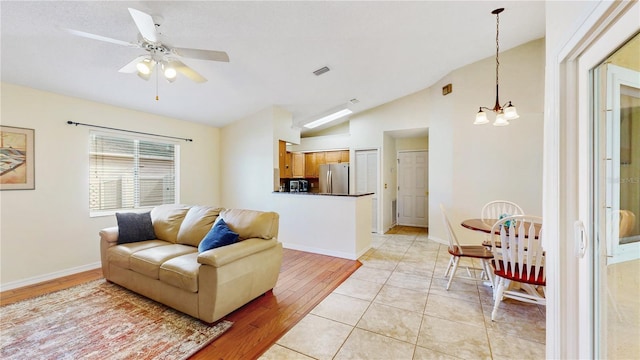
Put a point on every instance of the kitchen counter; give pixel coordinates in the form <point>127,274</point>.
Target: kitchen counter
<point>328,224</point>
<point>321,194</point>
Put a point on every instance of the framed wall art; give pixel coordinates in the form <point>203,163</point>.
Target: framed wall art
<point>17,158</point>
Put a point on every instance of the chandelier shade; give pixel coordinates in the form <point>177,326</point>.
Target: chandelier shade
<point>505,112</point>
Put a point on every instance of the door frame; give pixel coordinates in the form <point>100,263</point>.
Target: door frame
<point>568,145</point>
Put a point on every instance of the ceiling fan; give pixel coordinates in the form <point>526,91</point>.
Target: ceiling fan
<point>159,54</point>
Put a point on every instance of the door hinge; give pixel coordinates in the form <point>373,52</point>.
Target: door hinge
<point>398,160</point>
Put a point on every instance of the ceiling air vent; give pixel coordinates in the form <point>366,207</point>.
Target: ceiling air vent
<point>321,71</point>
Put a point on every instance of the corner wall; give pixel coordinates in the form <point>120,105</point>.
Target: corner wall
<point>249,149</point>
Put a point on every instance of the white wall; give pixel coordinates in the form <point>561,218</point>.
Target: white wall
<point>469,165</point>
<point>249,149</point>
<point>47,232</point>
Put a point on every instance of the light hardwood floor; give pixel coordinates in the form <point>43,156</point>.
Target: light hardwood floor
<point>305,280</point>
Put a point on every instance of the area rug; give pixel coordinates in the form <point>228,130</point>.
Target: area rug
<point>100,320</point>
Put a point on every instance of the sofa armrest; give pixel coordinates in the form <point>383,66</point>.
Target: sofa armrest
<point>226,254</point>
<point>109,235</point>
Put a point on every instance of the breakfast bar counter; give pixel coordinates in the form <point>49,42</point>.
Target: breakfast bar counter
<point>330,224</point>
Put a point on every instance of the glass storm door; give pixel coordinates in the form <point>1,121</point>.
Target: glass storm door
<point>616,210</point>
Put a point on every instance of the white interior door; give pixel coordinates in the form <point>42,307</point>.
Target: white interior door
<point>367,180</point>
<point>413,188</point>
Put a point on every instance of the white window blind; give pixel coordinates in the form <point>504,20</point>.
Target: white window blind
<point>130,173</point>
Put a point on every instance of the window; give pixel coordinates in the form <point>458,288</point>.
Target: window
<point>130,173</point>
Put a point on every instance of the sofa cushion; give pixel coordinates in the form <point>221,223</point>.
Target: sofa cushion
<point>147,262</point>
<point>198,221</point>
<point>167,219</point>
<point>219,235</point>
<point>181,272</point>
<point>251,223</point>
<point>120,254</point>
<point>134,227</point>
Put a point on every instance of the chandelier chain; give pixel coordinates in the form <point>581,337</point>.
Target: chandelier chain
<point>497,45</point>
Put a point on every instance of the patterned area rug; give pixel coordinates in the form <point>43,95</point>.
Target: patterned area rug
<point>100,320</point>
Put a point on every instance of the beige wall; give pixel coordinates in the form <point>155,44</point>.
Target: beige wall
<point>47,232</point>
<point>408,144</point>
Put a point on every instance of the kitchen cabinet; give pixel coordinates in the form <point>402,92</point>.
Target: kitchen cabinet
<point>313,160</point>
<point>321,159</point>
<point>344,156</point>
<point>310,165</point>
<point>297,165</point>
<point>306,165</point>
<point>282,150</point>
<point>334,157</point>
<point>288,165</point>
<point>284,160</point>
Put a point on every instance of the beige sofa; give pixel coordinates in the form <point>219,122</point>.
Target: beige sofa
<point>207,285</point>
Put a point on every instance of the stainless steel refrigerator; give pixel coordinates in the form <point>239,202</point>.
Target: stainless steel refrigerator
<point>334,178</point>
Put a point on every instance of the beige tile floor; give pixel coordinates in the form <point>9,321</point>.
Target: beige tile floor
<point>395,306</point>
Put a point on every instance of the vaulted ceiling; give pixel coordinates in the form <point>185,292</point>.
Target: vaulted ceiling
<point>376,51</point>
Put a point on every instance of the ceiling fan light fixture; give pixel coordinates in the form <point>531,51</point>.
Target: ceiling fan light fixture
<point>145,66</point>
<point>169,71</point>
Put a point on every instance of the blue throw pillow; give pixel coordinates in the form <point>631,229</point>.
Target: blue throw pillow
<point>134,227</point>
<point>219,235</point>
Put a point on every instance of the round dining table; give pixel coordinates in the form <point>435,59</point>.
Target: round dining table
<point>485,226</point>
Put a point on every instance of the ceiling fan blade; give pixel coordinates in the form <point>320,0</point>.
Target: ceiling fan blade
<point>131,67</point>
<point>187,71</point>
<point>145,25</point>
<point>202,54</point>
<point>100,37</point>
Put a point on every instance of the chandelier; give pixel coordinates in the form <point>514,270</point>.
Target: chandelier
<point>505,112</point>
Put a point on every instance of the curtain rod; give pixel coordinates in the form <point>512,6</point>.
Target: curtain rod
<point>131,131</point>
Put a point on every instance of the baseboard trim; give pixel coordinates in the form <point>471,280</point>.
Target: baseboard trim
<point>46,277</point>
<point>438,240</point>
<point>339,254</point>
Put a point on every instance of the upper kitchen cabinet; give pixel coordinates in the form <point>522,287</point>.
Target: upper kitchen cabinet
<point>313,160</point>
<point>285,160</point>
<point>344,156</point>
<point>298,165</point>
<point>310,165</point>
<point>334,157</point>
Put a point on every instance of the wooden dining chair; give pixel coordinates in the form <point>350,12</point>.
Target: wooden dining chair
<point>458,251</point>
<point>520,258</point>
<point>497,208</point>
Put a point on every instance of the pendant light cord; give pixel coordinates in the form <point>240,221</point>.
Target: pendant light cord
<point>497,107</point>
<point>497,45</point>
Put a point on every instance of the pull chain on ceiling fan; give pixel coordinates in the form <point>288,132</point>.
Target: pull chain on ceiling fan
<point>159,55</point>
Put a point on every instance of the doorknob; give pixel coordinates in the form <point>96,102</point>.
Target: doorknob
<point>581,237</point>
